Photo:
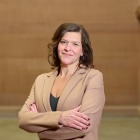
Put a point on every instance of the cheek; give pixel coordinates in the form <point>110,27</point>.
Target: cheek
<point>60,48</point>
<point>79,52</point>
<point>59,51</point>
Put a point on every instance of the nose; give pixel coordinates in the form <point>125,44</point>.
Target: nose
<point>68,47</point>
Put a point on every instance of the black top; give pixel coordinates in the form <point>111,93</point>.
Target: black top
<point>53,102</point>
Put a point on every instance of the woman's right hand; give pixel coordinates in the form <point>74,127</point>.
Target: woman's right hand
<point>73,118</point>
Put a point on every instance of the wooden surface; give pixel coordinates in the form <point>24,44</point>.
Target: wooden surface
<point>26,27</point>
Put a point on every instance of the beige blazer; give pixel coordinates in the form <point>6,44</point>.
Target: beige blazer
<point>85,88</point>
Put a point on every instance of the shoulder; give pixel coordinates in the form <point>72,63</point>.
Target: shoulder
<point>95,77</point>
<point>94,72</point>
<point>90,72</point>
<point>43,76</point>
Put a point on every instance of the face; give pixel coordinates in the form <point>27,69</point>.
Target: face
<point>70,48</point>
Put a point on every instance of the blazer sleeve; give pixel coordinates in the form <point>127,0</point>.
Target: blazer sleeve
<point>92,105</point>
<point>36,122</point>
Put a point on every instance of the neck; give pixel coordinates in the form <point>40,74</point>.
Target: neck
<point>66,71</point>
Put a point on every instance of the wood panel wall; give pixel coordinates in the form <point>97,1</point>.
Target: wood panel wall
<point>26,27</point>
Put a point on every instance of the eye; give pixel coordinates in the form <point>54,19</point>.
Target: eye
<point>63,42</point>
<point>75,44</point>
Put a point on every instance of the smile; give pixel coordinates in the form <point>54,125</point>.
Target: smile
<point>66,54</point>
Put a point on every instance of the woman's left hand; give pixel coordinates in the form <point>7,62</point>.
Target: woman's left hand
<point>33,108</point>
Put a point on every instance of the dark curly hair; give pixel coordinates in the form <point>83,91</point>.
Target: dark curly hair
<point>86,59</point>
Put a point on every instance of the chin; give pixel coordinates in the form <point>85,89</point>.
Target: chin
<point>65,64</point>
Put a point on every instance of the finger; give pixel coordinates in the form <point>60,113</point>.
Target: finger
<point>80,124</point>
<point>76,126</point>
<point>81,120</point>
<point>35,108</point>
<point>32,108</point>
<point>82,115</point>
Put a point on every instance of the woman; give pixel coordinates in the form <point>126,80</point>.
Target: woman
<point>66,103</point>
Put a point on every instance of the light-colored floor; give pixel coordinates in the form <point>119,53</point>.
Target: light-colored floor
<point>120,128</point>
<point>111,128</point>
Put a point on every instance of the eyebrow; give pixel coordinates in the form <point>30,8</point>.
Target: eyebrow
<point>72,41</point>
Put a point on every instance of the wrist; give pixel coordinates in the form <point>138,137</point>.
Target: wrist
<point>60,119</point>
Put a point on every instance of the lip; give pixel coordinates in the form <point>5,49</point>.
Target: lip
<point>66,54</point>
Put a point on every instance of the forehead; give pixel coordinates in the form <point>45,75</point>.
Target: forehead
<point>72,36</point>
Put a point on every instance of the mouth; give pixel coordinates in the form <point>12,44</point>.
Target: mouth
<point>66,54</point>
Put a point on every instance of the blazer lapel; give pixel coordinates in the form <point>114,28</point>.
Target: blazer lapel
<point>47,89</point>
<point>69,87</point>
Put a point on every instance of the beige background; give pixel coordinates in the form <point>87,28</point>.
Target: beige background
<point>26,27</point>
